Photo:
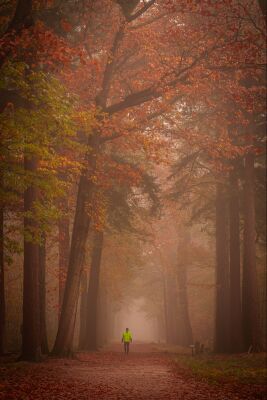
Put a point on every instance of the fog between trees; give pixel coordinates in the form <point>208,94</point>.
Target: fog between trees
<point>132,175</point>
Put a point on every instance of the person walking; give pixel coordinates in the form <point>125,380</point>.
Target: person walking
<point>126,340</point>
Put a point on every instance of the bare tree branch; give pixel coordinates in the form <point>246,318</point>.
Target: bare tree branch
<point>141,11</point>
<point>145,120</point>
<point>133,99</point>
<point>149,21</point>
<point>107,79</point>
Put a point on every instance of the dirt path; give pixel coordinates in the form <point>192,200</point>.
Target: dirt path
<point>142,375</point>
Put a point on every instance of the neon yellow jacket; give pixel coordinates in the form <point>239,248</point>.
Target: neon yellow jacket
<point>127,337</point>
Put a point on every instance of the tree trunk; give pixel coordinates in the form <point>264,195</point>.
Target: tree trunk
<point>169,335</point>
<point>185,333</point>
<point>235,292</point>
<point>104,320</point>
<point>160,328</point>
<point>82,218</point>
<point>42,282</point>
<point>22,18</point>
<point>2,284</point>
<point>83,312</point>
<point>172,321</point>
<point>64,249</point>
<point>250,303</point>
<point>165,311</point>
<point>79,236</point>
<point>69,351</point>
<point>80,231</point>
<point>72,332</point>
<point>263,6</point>
<point>221,342</point>
<point>93,289</point>
<point>110,313</point>
<point>31,297</point>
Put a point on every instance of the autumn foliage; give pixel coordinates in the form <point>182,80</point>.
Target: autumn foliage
<point>131,165</point>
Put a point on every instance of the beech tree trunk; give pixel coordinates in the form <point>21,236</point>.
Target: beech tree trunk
<point>250,303</point>
<point>263,6</point>
<point>31,296</point>
<point>221,340</point>
<point>85,190</point>
<point>104,319</point>
<point>64,249</point>
<point>80,231</point>
<point>42,283</point>
<point>2,284</point>
<point>160,328</point>
<point>235,289</point>
<point>185,333</point>
<point>71,293</point>
<point>171,297</point>
<point>72,332</point>
<point>168,316</point>
<point>83,313</point>
<point>165,311</point>
<point>22,18</point>
<point>93,289</point>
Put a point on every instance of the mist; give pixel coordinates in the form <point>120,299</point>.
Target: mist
<point>133,199</point>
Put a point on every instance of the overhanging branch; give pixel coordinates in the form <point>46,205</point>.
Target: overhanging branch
<point>132,100</point>
<point>141,11</point>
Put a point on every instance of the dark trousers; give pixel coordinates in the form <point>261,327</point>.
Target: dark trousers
<point>126,347</point>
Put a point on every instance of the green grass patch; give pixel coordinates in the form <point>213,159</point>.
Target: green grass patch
<point>242,368</point>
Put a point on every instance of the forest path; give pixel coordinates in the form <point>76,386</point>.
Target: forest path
<point>145,374</point>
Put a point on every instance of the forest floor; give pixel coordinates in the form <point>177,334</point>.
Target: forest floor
<point>147,373</point>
